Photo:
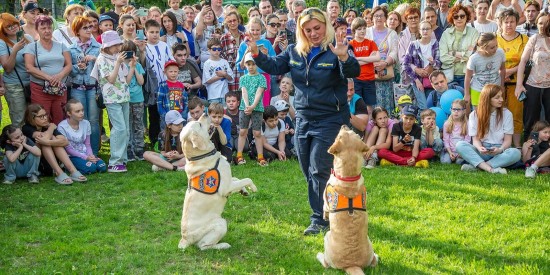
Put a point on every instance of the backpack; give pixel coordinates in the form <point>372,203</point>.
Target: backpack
<point>151,85</point>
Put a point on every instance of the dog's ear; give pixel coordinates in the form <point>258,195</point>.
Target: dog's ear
<point>198,141</point>
<point>336,147</point>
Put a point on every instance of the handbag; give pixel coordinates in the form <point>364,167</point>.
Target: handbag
<point>388,72</point>
<point>426,83</point>
<point>26,88</point>
<point>48,88</point>
<point>530,63</point>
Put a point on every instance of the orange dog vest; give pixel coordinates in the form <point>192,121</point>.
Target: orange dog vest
<point>337,202</point>
<point>207,182</point>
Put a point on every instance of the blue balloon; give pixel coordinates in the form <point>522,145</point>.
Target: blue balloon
<point>440,117</point>
<point>447,99</point>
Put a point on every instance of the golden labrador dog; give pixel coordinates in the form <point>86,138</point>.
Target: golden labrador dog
<point>347,244</point>
<point>209,185</point>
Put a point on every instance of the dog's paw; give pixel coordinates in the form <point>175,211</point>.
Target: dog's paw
<point>221,246</point>
<point>244,192</point>
<point>321,259</point>
<point>252,187</point>
<point>375,260</point>
<point>183,244</point>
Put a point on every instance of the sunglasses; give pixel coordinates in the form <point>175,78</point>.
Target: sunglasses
<point>88,28</point>
<point>310,11</point>
<point>459,16</point>
<point>216,49</point>
<point>275,25</point>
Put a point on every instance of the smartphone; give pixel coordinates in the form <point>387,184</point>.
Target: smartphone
<point>141,12</point>
<point>535,136</point>
<point>129,54</point>
<point>140,35</point>
<point>282,33</point>
<point>208,2</point>
<point>20,35</point>
<point>522,96</point>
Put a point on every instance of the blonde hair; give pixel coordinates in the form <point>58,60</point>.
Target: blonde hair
<point>303,46</point>
<point>71,8</point>
<point>255,20</point>
<point>463,119</point>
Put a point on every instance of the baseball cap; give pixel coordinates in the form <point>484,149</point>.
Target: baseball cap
<point>173,117</point>
<point>281,106</point>
<point>170,63</point>
<point>104,17</point>
<point>410,110</point>
<point>248,57</point>
<point>110,38</point>
<point>404,99</point>
<point>30,6</point>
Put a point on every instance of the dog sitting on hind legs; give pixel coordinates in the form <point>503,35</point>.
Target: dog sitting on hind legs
<point>347,244</point>
<point>209,185</point>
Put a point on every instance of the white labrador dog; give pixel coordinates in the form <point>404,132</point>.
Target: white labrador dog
<point>209,185</point>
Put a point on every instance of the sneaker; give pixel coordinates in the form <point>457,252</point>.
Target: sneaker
<point>371,163</point>
<point>33,179</point>
<point>422,164</point>
<point>131,156</point>
<point>8,181</point>
<point>314,229</point>
<point>119,168</point>
<point>104,138</point>
<point>468,167</point>
<point>499,170</point>
<point>139,156</point>
<point>181,168</point>
<point>385,162</point>
<point>530,173</point>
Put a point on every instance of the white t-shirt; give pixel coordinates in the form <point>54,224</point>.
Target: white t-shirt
<point>218,88</point>
<point>488,27</point>
<point>59,37</point>
<point>486,69</point>
<point>76,138</point>
<point>158,55</point>
<point>496,132</point>
<point>272,134</point>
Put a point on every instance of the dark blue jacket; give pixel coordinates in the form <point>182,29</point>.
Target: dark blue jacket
<point>320,87</point>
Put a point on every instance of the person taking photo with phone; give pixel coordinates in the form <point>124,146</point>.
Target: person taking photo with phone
<point>535,153</point>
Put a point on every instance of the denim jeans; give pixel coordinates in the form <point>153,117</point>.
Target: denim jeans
<point>136,143</point>
<point>87,167</point>
<point>17,169</point>
<point>91,113</point>
<point>471,155</point>
<point>437,146</point>
<point>421,101</point>
<point>15,97</point>
<point>313,138</point>
<point>119,116</point>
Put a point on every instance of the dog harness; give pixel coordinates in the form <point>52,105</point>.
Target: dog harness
<point>207,182</point>
<point>337,202</point>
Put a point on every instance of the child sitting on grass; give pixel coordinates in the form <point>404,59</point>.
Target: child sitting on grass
<point>406,142</point>
<point>378,135</point>
<point>535,151</point>
<point>171,156</point>
<point>22,156</point>
<point>455,129</point>
<point>220,130</point>
<point>273,136</point>
<point>283,114</point>
<point>430,138</point>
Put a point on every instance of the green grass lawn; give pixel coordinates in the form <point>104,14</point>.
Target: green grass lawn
<point>422,221</point>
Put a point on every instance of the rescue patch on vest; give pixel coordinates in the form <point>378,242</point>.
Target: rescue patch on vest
<point>337,202</point>
<point>324,65</point>
<point>295,63</point>
<point>208,182</point>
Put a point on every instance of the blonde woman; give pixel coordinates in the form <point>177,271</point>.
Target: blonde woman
<point>319,67</point>
<point>64,34</point>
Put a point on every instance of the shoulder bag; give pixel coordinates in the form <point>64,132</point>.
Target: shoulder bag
<point>48,88</point>
<point>530,62</point>
<point>26,88</point>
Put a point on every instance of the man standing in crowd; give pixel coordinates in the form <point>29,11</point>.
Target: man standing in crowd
<point>115,14</point>
<point>297,7</point>
<point>265,9</point>
<point>531,11</point>
<point>442,14</point>
<point>333,10</point>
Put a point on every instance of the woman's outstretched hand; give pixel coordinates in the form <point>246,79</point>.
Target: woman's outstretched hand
<point>252,46</point>
<point>341,48</point>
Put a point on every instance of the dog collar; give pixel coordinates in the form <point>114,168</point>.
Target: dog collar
<point>211,153</point>
<point>355,178</point>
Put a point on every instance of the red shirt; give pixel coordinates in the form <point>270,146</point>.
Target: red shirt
<point>364,49</point>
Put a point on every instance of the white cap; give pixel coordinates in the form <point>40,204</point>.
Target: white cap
<point>248,57</point>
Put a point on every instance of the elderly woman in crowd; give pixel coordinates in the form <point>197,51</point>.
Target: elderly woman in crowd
<point>410,33</point>
<point>386,39</point>
<point>457,44</point>
<point>231,41</point>
<point>83,55</point>
<point>65,34</point>
<point>321,98</point>
<point>49,63</point>
<point>16,78</point>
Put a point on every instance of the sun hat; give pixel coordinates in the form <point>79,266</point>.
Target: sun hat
<point>30,7</point>
<point>110,38</point>
<point>248,57</point>
<point>170,63</point>
<point>173,117</point>
<point>281,105</point>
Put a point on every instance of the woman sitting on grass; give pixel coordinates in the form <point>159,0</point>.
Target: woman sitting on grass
<point>535,150</point>
<point>491,127</point>
<point>45,135</point>
<point>171,156</point>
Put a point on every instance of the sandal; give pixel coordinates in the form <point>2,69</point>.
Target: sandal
<point>262,162</point>
<point>63,179</point>
<point>240,161</point>
<point>77,176</point>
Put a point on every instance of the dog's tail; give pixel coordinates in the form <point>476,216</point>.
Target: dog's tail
<point>354,270</point>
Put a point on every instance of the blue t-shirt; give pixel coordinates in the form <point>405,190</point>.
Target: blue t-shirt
<point>136,91</point>
<point>314,51</point>
<point>51,62</point>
